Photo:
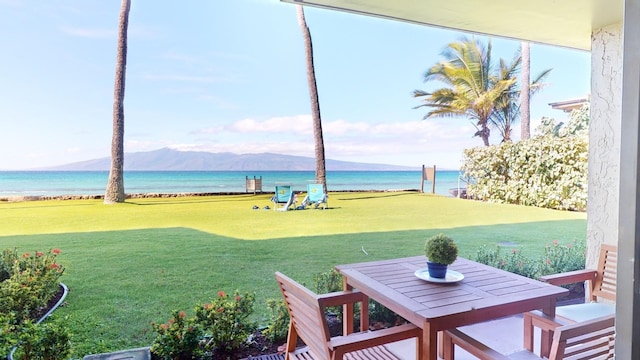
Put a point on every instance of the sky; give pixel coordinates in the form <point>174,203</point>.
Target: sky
<point>229,76</point>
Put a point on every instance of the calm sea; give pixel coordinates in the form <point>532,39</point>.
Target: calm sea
<point>51,183</point>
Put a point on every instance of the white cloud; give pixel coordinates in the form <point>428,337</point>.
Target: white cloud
<point>352,141</point>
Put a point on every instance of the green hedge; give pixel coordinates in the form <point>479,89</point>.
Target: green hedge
<point>549,170</point>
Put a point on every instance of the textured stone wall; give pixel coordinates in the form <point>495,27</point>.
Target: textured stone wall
<point>604,139</point>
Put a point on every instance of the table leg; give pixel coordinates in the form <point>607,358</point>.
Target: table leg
<point>429,343</point>
<point>545,335</point>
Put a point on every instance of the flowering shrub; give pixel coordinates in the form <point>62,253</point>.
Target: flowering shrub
<point>278,320</point>
<point>48,340</point>
<point>548,171</point>
<point>27,282</point>
<point>178,339</point>
<point>514,261</point>
<point>226,321</point>
<point>560,258</point>
<point>557,258</point>
<point>30,280</point>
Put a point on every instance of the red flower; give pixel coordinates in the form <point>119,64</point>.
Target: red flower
<point>39,253</point>
<point>54,266</point>
<point>220,310</point>
<point>221,294</point>
<point>182,314</point>
<point>238,298</point>
<point>56,251</point>
<point>26,255</point>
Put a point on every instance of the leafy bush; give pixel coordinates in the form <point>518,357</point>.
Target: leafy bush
<point>548,171</point>
<point>48,340</point>
<point>178,339</point>
<point>30,281</point>
<point>560,258</point>
<point>556,259</point>
<point>226,321</point>
<point>278,320</point>
<point>27,283</point>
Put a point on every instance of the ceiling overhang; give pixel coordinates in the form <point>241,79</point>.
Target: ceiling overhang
<point>567,23</point>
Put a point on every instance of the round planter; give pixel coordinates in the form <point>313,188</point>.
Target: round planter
<point>436,270</point>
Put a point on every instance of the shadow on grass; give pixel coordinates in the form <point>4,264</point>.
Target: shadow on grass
<point>120,281</point>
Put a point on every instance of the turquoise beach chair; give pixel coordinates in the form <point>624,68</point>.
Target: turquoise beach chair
<point>315,196</point>
<point>284,198</point>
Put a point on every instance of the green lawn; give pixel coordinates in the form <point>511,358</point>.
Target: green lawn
<point>130,264</point>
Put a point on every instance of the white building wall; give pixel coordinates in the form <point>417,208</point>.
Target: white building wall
<point>604,140</point>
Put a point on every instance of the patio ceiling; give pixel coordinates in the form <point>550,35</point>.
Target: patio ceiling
<point>567,23</point>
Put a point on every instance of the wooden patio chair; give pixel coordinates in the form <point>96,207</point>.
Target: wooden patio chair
<point>593,339</point>
<point>601,291</point>
<point>309,323</point>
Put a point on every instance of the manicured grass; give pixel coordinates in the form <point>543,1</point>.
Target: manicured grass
<point>132,263</point>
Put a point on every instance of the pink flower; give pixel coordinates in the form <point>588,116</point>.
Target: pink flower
<point>25,255</point>
<point>238,298</point>
<point>513,251</point>
<point>182,314</point>
<point>39,253</point>
<point>56,251</point>
<point>555,242</point>
<point>221,294</point>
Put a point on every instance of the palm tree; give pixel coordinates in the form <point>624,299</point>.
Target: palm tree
<point>471,89</point>
<point>525,128</point>
<point>115,186</point>
<point>509,106</point>
<point>321,176</point>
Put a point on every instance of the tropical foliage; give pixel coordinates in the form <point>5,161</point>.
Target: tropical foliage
<point>549,170</point>
<point>28,281</point>
<point>488,97</point>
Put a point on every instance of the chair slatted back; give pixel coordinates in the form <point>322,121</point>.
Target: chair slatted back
<point>594,339</point>
<point>315,192</point>
<point>283,193</point>
<point>605,283</point>
<point>307,316</point>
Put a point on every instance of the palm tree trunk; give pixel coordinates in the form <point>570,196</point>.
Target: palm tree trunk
<point>525,114</point>
<point>115,186</point>
<point>321,176</point>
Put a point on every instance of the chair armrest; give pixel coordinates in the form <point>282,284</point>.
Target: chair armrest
<point>570,277</point>
<point>546,322</point>
<point>367,339</point>
<point>340,298</point>
<point>469,344</point>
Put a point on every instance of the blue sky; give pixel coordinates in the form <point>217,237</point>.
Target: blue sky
<point>229,76</point>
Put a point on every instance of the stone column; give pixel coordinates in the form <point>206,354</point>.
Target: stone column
<point>604,140</point>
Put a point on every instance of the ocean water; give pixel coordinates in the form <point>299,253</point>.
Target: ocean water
<point>53,183</point>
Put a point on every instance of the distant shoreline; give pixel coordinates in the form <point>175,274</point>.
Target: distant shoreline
<point>24,198</point>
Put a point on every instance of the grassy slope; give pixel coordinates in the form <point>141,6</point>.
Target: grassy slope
<point>132,263</point>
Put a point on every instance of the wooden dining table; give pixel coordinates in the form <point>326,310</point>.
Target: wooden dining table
<point>476,294</point>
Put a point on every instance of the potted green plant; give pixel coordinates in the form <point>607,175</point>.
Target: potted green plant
<point>441,251</point>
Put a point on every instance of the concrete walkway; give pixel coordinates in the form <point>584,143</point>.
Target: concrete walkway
<point>504,335</point>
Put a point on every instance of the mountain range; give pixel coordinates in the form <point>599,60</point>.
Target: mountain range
<point>168,159</point>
